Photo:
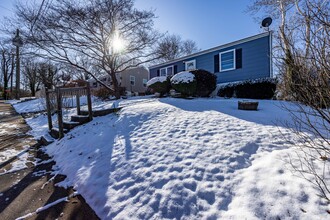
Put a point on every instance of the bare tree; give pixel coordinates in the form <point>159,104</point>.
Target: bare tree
<point>304,33</point>
<point>30,73</point>
<point>281,10</point>
<point>311,122</point>
<point>48,74</point>
<point>173,46</point>
<point>95,36</point>
<point>7,68</point>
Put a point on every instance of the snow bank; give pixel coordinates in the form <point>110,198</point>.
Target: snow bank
<point>275,193</point>
<point>183,77</point>
<point>156,79</point>
<point>38,105</point>
<point>196,159</point>
<point>35,105</point>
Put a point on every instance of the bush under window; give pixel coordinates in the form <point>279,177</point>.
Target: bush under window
<point>252,89</point>
<point>206,82</point>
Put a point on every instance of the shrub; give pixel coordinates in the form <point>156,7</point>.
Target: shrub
<point>185,83</point>
<point>253,89</point>
<point>206,82</point>
<point>226,91</point>
<point>160,84</point>
<point>102,93</point>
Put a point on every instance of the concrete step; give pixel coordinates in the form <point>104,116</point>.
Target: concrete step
<point>102,112</point>
<point>45,140</point>
<point>55,132</point>
<point>70,124</point>
<point>80,118</point>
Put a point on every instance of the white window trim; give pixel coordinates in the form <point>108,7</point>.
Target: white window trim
<point>190,61</point>
<point>234,50</point>
<point>160,70</point>
<point>130,80</point>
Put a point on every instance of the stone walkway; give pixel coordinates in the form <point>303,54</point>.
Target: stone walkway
<point>33,186</point>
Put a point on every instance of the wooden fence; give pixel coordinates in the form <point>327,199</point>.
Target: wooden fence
<point>54,101</point>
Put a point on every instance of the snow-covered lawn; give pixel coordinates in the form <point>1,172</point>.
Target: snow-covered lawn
<point>189,159</point>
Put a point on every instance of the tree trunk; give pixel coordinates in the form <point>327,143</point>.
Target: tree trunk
<point>33,89</point>
<point>115,84</point>
<point>286,46</point>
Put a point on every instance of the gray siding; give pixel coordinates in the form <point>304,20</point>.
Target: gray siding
<point>255,62</point>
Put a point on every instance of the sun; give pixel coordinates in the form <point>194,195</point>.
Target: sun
<point>118,43</point>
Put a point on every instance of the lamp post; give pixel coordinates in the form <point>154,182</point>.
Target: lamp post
<point>18,42</point>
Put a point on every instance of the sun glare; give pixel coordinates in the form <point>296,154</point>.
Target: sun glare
<point>118,44</point>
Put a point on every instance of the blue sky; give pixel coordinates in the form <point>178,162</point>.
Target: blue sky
<point>208,22</point>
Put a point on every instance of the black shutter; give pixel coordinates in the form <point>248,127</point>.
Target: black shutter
<point>175,69</point>
<point>238,58</point>
<point>158,73</point>
<point>216,63</point>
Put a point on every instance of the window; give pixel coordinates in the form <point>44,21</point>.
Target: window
<point>227,60</point>
<point>190,65</point>
<point>132,80</point>
<point>167,71</point>
<point>145,82</point>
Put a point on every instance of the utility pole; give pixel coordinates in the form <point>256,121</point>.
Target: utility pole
<point>18,42</point>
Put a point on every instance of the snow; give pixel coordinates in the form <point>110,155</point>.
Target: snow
<point>183,77</point>
<point>19,163</point>
<point>38,105</point>
<point>276,194</point>
<point>64,199</point>
<point>156,79</point>
<point>35,105</point>
<point>188,159</point>
<point>39,122</point>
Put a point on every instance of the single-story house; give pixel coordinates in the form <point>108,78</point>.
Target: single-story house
<point>133,79</point>
<point>245,59</point>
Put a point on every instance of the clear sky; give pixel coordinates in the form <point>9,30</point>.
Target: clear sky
<point>208,22</point>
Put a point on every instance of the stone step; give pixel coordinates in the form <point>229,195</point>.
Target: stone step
<point>44,140</point>
<point>102,112</point>
<point>70,124</point>
<point>80,118</point>
<point>55,132</point>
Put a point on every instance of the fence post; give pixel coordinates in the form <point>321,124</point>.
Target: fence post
<point>89,102</point>
<point>49,114</point>
<point>59,113</point>
<point>78,103</point>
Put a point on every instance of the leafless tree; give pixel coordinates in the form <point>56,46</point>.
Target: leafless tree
<point>95,36</point>
<point>7,67</point>
<point>283,12</point>
<point>48,74</point>
<point>304,33</point>
<point>173,46</point>
<point>30,73</point>
<point>311,118</point>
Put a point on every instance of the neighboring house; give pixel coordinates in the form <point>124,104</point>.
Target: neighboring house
<point>248,58</point>
<point>134,80</point>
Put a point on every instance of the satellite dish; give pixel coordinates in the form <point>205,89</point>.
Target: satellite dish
<point>266,22</point>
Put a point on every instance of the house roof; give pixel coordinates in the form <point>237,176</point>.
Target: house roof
<point>254,37</point>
